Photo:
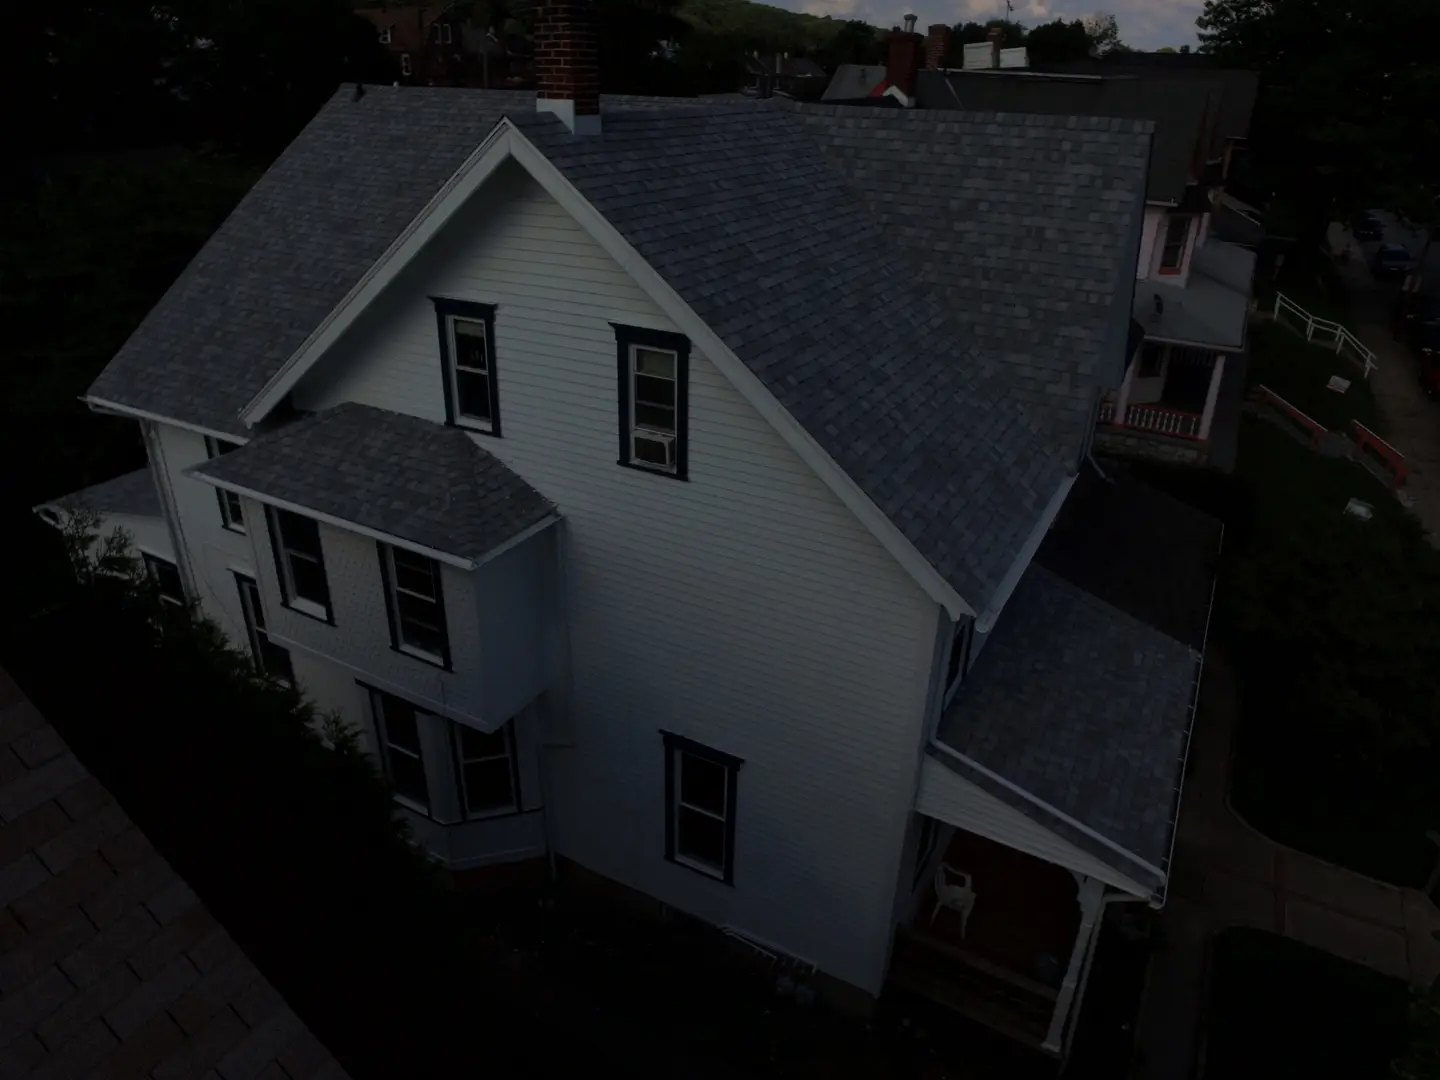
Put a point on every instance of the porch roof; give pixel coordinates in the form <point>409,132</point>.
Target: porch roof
<point>1078,711</point>
<point>1210,309</point>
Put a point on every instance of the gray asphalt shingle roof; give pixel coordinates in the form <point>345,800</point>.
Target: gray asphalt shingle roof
<point>752,212</point>
<point>132,493</point>
<point>1178,108</point>
<point>1028,227</point>
<point>854,81</point>
<point>398,475</point>
<point>1085,708</point>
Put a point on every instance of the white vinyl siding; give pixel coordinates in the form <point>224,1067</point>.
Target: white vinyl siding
<point>746,609</point>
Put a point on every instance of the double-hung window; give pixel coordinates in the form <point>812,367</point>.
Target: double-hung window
<point>443,33</point>
<point>270,658</point>
<point>397,727</point>
<point>1172,252</point>
<point>416,605</point>
<point>485,770</point>
<point>959,658</point>
<point>300,562</point>
<point>653,369</point>
<point>385,35</point>
<point>467,356</point>
<point>405,67</point>
<point>700,788</point>
<point>232,515</point>
<point>164,577</point>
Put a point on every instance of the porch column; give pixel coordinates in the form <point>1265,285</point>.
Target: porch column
<point>1091,891</point>
<point>1211,395</point>
<point>1122,398</point>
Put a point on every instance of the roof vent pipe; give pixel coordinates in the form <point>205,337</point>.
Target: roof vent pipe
<point>910,21</point>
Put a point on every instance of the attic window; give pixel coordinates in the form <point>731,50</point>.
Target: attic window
<point>653,369</point>
<point>467,360</point>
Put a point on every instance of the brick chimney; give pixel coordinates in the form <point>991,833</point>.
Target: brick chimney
<point>997,41</point>
<point>567,64</point>
<point>903,64</point>
<point>937,44</point>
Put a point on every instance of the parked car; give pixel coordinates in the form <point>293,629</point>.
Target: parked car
<point>1391,262</point>
<point>1366,226</point>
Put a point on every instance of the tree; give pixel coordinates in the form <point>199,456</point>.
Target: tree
<point>1104,31</point>
<point>855,42</point>
<point>1058,42</point>
<point>1345,118</point>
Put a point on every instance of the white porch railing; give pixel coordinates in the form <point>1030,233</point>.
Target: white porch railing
<point>1323,332</point>
<point>1160,419</point>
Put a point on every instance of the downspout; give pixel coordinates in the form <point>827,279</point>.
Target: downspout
<point>562,621</point>
<point>160,476</point>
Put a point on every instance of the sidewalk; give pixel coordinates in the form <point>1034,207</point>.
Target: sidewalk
<point>1227,874</point>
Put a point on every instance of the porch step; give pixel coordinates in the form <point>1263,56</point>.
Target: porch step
<point>1010,1004</point>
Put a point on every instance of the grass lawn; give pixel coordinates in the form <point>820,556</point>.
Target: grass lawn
<point>1298,372</point>
<point>1331,624</point>
<point>1279,1008</point>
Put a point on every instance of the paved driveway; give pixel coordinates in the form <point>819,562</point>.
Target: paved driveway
<point>1412,419</point>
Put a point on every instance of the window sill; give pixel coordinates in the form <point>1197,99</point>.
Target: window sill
<point>238,530</point>
<point>673,474</point>
<point>310,610</point>
<point>479,427</point>
<point>1169,271</point>
<point>411,805</point>
<point>421,655</point>
<point>705,869</point>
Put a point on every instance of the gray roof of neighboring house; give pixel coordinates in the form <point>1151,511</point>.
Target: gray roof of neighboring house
<point>1178,108</point>
<point>852,82</point>
<point>132,493</point>
<point>1088,710</point>
<point>398,475</point>
<point>757,215</point>
<point>985,208</point>
<point>1210,309</point>
<point>123,971</point>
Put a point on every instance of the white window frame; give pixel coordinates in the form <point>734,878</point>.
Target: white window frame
<point>253,610</point>
<point>302,604</point>
<point>677,749</point>
<point>457,751</point>
<point>636,426</point>
<point>406,68</point>
<point>386,748</point>
<point>443,33</point>
<point>464,419</point>
<point>397,623</point>
<point>1163,267</point>
<point>148,559</point>
<point>232,513</point>
<point>385,35</point>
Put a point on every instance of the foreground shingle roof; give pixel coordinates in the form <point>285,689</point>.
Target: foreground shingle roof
<point>1088,710</point>
<point>109,963</point>
<point>398,475</point>
<point>131,493</point>
<point>750,213</point>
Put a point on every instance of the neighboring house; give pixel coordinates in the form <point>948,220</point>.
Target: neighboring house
<point>657,486</point>
<point>798,76</point>
<point>436,46</point>
<point>1180,400</point>
<point>865,83</point>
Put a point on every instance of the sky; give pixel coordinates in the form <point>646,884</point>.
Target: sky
<point>1144,24</point>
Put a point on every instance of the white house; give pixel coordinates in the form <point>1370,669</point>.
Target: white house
<point>627,479</point>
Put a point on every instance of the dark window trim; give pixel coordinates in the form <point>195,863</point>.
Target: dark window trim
<point>732,766</point>
<point>392,614</point>
<point>253,631</point>
<point>445,309</point>
<point>679,344</point>
<point>512,748</point>
<point>277,550</point>
<point>382,747</point>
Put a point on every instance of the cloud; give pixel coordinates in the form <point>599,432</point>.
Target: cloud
<point>1144,24</point>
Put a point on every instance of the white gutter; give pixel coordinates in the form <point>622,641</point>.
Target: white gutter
<point>100,406</point>
<point>1027,553</point>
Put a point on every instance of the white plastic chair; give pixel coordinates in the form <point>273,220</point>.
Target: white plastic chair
<point>960,898</point>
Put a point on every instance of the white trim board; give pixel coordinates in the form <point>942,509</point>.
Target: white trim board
<point>101,406</point>
<point>947,796</point>
<point>505,142</point>
<point>375,534</point>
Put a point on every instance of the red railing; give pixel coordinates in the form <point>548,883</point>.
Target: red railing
<point>1265,396</point>
<point>1391,458</point>
<point>1160,419</point>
